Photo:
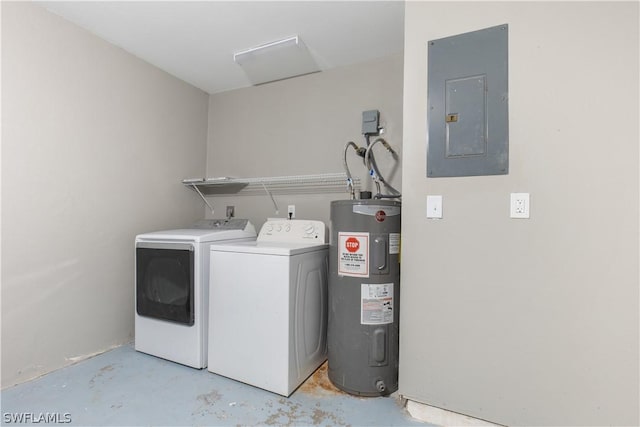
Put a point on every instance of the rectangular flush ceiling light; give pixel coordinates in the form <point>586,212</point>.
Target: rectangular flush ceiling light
<point>278,60</point>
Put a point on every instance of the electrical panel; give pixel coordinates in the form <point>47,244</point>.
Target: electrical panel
<point>468,118</point>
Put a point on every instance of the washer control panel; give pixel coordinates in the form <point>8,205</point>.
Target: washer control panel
<point>293,231</point>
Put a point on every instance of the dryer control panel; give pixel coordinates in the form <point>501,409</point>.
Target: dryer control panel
<point>293,231</point>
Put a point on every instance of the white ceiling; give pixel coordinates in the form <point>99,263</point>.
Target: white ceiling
<point>195,41</point>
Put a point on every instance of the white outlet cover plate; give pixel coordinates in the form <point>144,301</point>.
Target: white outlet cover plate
<point>519,207</point>
<point>434,207</point>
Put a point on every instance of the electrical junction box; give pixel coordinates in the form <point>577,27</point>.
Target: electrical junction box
<point>370,122</point>
<point>467,98</point>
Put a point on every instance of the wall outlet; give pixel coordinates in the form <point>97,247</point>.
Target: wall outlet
<point>519,205</point>
<point>291,211</point>
<point>231,211</point>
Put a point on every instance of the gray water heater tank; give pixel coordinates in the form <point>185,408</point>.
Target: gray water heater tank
<point>364,296</point>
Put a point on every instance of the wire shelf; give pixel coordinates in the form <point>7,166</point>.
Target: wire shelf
<point>294,184</point>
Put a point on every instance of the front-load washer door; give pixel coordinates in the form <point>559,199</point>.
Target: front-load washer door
<point>165,281</point>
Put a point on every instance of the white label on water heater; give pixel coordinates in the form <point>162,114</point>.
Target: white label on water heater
<point>353,254</point>
<point>376,306</point>
<point>394,243</point>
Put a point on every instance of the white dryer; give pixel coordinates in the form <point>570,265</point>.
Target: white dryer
<point>268,302</point>
<point>172,288</point>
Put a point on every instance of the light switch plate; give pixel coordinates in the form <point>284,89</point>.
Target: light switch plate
<point>434,207</point>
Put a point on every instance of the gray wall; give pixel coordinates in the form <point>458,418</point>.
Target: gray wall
<point>529,322</point>
<point>94,145</point>
<point>300,126</point>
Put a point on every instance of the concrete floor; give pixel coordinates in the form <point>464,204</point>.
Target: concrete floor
<point>124,387</point>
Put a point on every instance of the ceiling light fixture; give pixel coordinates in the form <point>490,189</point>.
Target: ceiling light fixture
<point>281,59</point>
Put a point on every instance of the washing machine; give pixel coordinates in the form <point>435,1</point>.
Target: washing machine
<point>172,288</point>
<point>268,302</point>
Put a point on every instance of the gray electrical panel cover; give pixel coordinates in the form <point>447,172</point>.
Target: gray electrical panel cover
<point>468,114</point>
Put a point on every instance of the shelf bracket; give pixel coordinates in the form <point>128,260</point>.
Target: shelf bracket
<point>195,187</point>
<point>275,205</point>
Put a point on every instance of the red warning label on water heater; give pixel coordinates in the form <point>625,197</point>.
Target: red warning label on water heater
<point>353,254</point>
<point>352,244</point>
